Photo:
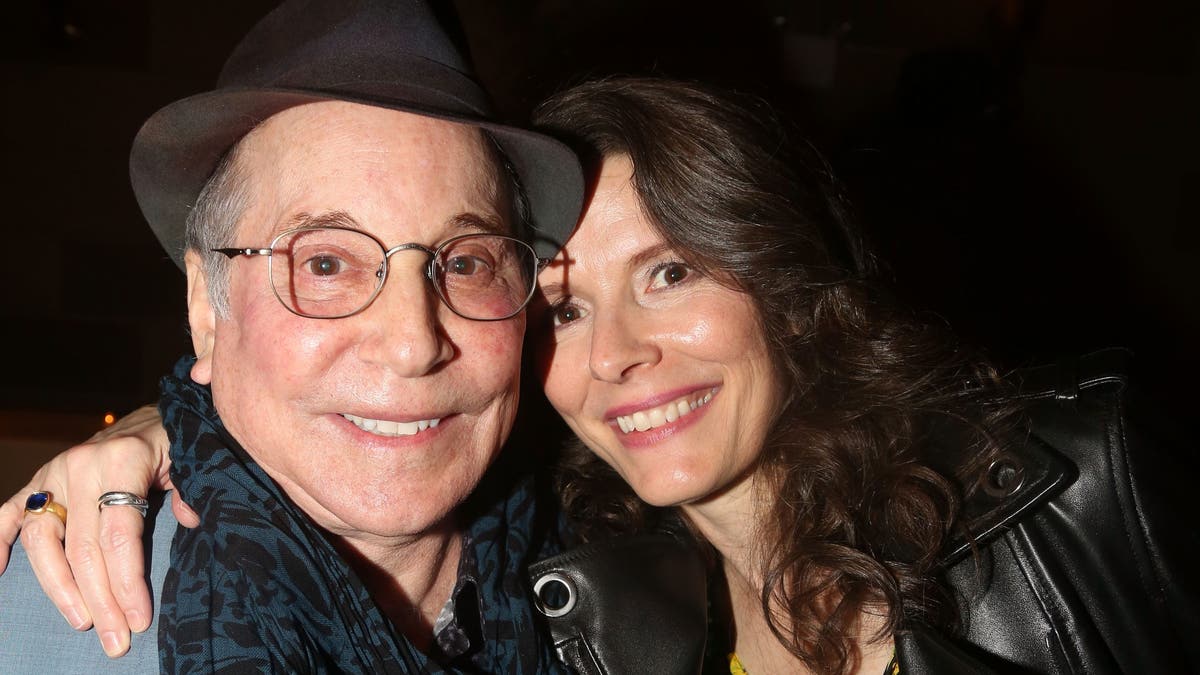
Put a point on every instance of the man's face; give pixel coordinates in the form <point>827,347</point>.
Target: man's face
<point>284,384</point>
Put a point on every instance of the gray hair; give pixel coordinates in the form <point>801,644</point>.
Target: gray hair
<point>212,223</point>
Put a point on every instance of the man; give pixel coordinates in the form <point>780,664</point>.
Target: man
<point>355,310</point>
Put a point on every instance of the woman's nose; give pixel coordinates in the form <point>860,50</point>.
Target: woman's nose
<point>621,342</point>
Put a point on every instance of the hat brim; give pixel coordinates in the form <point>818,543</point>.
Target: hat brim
<point>178,148</point>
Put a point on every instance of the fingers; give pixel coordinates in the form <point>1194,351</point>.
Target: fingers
<point>42,536</point>
<point>11,514</point>
<point>121,529</point>
<point>183,513</point>
<point>104,547</point>
<point>93,569</point>
<point>121,544</point>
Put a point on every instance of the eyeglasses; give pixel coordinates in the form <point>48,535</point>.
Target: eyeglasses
<point>330,272</point>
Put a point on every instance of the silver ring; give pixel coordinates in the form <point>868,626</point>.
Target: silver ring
<point>124,499</point>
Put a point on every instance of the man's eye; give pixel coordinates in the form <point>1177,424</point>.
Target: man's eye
<point>465,264</point>
<point>324,265</point>
<point>669,274</point>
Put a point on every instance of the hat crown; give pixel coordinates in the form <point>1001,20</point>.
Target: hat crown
<point>329,43</point>
<point>393,54</point>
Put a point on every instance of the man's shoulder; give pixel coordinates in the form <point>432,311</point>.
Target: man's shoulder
<point>34,637</point>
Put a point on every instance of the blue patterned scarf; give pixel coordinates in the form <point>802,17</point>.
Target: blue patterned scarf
<point>258,587</point>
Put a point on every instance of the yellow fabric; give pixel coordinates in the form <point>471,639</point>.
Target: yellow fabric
<point>736,667</point>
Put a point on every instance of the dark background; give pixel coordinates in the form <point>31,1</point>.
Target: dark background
<point>1028,168</point>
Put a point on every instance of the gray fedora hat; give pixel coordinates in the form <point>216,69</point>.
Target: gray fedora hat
<point>387,53</point>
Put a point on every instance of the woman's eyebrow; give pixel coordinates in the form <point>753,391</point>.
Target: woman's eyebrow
<point>649,253</point>
<point>552,289</point>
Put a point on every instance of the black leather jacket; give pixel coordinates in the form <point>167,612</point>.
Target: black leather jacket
<point>1085,555</point>
<point>1090,562</point>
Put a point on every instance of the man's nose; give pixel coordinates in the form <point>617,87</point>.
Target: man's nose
<point>406,333</point>
<point>621,343</point>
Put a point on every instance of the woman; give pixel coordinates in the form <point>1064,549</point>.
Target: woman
<point>716,342</point>
<point>715,339</point>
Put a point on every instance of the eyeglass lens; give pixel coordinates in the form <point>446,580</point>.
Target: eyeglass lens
<point>331,272</point>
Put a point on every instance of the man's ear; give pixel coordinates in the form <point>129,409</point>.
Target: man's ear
<point>201,317</point>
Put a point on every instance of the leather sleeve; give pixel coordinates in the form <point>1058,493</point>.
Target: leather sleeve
<point>1100,578</point>
<point>1158,498</point>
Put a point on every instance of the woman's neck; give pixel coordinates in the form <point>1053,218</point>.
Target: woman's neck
<point>730,522</point>
<point>734,523</point>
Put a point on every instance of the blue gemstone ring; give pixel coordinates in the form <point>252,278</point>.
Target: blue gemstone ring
<point>40,502</point>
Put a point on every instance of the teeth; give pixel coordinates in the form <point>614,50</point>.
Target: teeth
<point>389,428</point>
<point>644,420</point>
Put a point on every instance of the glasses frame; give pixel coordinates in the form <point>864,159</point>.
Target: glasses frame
<point>382,273</point>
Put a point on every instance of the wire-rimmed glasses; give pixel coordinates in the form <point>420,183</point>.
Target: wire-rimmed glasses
<point>330,272</point>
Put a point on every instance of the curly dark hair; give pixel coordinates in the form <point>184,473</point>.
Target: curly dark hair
<point>888,422</point>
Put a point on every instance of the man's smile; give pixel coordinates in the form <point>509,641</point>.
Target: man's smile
<point>391,428</point>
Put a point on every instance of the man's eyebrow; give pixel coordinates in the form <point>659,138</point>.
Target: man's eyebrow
<point>329,218</point>
<point>468,222</point>
<point>475,222</point>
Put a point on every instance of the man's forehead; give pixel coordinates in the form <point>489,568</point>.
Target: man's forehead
<point>356,160</point>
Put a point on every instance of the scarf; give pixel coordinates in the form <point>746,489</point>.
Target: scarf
<point>258,587</point>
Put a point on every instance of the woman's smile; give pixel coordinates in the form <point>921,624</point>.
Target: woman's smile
<point>657,416</point>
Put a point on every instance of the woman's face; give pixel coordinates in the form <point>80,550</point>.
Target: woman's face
<point>662,372</point>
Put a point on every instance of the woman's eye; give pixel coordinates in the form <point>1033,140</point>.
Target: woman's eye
<point>669,274</point>
<point>324,266</point>
<point>564,313</point>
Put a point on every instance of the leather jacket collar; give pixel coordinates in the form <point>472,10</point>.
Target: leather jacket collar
<point>1017,482</point>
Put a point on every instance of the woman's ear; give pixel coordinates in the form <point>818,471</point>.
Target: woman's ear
<point>202,318</point>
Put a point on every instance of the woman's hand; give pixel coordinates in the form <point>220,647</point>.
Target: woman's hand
<point>93,568</point>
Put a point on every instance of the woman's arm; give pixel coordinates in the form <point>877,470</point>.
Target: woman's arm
<point>93,568</point>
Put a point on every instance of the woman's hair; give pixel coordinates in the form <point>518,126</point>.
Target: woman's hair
<point>887,422</point>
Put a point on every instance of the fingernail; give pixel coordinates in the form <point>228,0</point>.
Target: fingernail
<point>111,643</point>
<point>75,618</point>
<point>137,621</point>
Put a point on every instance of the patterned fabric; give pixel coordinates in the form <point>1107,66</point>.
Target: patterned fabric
<point>258,588</point>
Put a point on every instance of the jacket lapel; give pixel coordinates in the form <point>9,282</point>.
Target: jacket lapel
<point>1018,481</point>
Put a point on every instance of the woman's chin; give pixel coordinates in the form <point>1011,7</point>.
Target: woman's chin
<point>669,493</point>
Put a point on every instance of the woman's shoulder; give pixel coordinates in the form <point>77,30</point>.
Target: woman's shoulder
<point>1079,532</point>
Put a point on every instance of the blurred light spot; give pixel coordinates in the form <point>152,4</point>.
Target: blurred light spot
<point>109,418</point>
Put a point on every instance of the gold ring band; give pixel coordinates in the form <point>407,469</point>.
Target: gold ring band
<point>40,502</point>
